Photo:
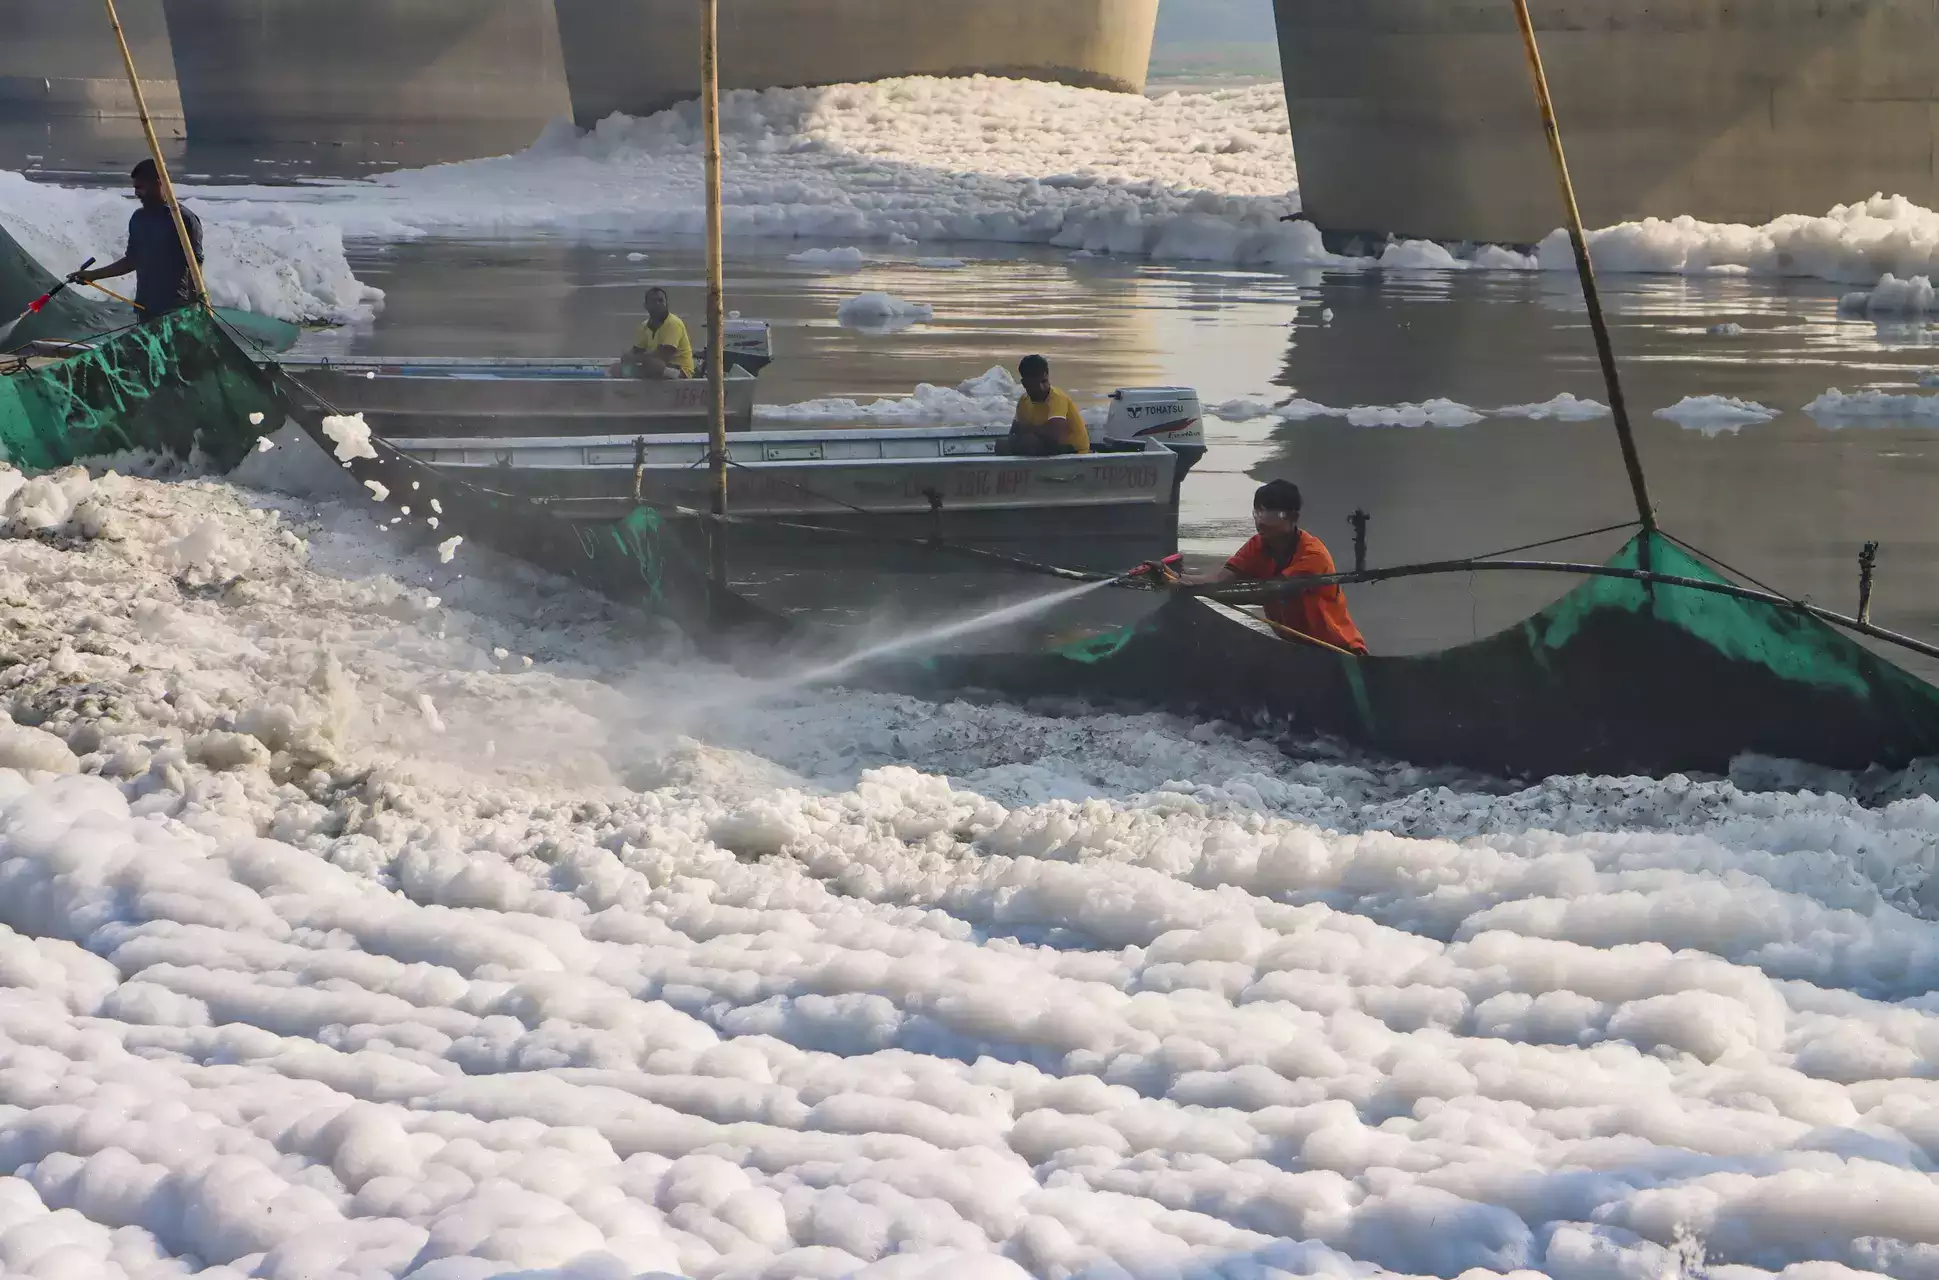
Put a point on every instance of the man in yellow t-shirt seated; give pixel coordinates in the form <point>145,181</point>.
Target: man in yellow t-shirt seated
<point>662,349</point>
<point>1048,421</point>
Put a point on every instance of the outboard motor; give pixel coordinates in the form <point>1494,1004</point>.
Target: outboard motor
<point>750,345</point>
<point>1169,415</point>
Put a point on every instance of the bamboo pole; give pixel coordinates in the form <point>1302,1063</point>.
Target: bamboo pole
<point>716,290</point>
<point>1632,461</point>
<point>155,154</point>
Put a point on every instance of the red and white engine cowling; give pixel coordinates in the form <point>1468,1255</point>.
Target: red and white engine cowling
<point>1171,416</point>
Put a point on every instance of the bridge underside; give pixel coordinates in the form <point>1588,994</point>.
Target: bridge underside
<point>639,56</point>
<point>485,72</point>
<point>1417,116</point>
<point>453,78</point>
<point>58,58</point>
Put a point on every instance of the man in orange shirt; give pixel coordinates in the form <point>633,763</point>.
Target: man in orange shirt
<point>1281,549</point>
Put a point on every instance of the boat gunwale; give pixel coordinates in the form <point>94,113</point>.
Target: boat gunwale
<point>1229,596</point>
<point>423,369</point>
<point>795,436</point>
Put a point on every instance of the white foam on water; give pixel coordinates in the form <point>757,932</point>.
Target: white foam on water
<point>1893,297</point>
<point>989,399</point>
<point>1855,243</point>
<point>337,941</point>
<point>1429,413</point>
<point>899,162</point>
<point>1181,177</point>
<point>1564,407</point>
<point>1243,409</point>
<point>1714,415</point>
<point>1836,408</point>
<point>845,259</point>
<point>883,313</point>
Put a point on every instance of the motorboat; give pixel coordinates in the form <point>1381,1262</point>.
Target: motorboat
<point>953,483</point>
<point>488,396</point>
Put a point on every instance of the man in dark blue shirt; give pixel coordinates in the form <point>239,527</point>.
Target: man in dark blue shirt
<point>162,280</point>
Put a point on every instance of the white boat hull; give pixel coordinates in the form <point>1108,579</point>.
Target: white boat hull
<point>1108,508</point>
<point>471,398</point>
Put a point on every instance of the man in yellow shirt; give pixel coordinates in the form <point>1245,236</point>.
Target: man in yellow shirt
<point>1048,421</point>
<point>662,349</point>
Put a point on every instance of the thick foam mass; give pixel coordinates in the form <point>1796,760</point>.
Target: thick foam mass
<point>1713,415</point>
<point>363,915</point>
<point>987,399</point>
<point>1182,177</point>
<point>1865,242</point>
<point>272,261</point>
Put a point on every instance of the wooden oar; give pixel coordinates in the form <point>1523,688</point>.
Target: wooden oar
<point>1287,633</point>
<point>112,294</point>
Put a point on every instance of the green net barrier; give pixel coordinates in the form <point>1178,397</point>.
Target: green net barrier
<point>1791,645</point>
<point>176,386</point>
<point>648,559</point>
<point>79,315</point>
<point>1616,676</point>
<point>69,317</point>
<point>184,386</point>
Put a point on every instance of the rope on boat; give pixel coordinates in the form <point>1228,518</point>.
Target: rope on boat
<point>1567,537</point>
<point>804,489</point>
<point>1262,592</point>
<point>1701,554</point>
<point>1018,563</point>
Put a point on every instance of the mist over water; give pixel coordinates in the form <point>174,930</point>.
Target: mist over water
<point>919,642</point>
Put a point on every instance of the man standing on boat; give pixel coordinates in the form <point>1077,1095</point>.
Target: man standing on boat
<point>662,349</point>
<point>1048,422</point>
<point>1281,549</point>
<point>163,283</point>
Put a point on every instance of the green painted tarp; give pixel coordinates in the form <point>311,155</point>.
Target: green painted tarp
<point>184,386</point>
<point>177,386</point>
<point>1617,676</point>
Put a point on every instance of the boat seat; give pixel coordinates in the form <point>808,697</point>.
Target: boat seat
<point>1117,446</point>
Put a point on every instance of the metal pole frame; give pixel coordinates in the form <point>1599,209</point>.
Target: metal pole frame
<point>1261,592</point>
<point>1632,461</point>
<point>155,154</point>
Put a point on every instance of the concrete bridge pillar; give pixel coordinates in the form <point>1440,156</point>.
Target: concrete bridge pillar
<point>1417,116</point>
<point>58,58</point>
<point>641,56</point>
<point>454,77</point>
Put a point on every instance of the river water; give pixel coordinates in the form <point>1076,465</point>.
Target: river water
<point>1788,501</point>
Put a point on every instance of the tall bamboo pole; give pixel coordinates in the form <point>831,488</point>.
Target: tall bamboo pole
<point>155,154</point>
<point>716,290</point>
<point>1639,487</point>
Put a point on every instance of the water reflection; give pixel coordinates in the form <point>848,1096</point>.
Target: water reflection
<point>1789,501</point>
